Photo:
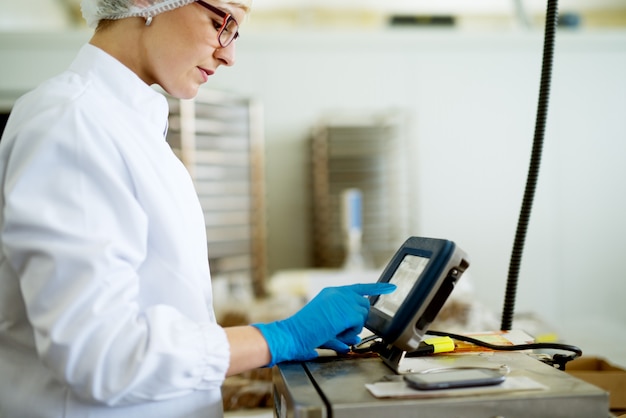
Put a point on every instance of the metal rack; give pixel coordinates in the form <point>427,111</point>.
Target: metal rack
<point>365,151</point>
<point>218,137</point>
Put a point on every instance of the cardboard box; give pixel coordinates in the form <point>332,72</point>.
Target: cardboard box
<point>601,373</point>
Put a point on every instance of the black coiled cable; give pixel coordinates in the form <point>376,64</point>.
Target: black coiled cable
<point>558,361</point>
<point>533,170</point>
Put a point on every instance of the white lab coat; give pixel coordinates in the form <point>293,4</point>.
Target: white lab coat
<point>105,299</point>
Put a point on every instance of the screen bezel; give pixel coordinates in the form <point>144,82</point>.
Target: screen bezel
<point>438,252</point>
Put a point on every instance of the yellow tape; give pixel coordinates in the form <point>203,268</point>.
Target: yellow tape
<point>441,344</point>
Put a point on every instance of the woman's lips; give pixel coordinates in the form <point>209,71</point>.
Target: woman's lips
<point>205,73</point>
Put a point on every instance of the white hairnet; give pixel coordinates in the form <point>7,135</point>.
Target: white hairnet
<point>96,10</point>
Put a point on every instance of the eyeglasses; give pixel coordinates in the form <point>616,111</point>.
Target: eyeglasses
<point>228,30</point>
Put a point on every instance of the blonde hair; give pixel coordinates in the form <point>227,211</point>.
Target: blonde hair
<point>244,4</point>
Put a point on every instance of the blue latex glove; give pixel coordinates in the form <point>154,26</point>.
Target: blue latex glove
<point>333,319</point>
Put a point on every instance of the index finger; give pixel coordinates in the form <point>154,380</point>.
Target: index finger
<point>372,289</point>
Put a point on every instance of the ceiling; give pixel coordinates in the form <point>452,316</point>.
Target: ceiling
<point>36,15</point>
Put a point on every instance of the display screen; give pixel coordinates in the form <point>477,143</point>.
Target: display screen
<point>405,276</point>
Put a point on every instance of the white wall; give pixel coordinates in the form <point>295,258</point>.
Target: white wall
<point>34,15</point>
<point>473,98</point>
<point>473,101</point>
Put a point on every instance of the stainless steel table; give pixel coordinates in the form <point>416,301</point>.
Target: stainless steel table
<point>335,388</point>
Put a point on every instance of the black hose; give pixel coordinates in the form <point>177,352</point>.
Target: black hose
<point>535,162</point>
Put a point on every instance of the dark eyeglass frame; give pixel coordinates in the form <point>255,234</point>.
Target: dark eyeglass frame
<point>223,37</point>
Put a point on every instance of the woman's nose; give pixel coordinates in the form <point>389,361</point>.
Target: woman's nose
<point>226,55</point>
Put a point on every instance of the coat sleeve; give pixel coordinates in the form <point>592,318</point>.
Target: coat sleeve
<point>76,236</point>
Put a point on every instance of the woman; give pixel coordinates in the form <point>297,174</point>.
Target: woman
<point>105,298</point>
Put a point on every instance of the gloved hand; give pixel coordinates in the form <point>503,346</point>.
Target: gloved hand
<point>332,319</point>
